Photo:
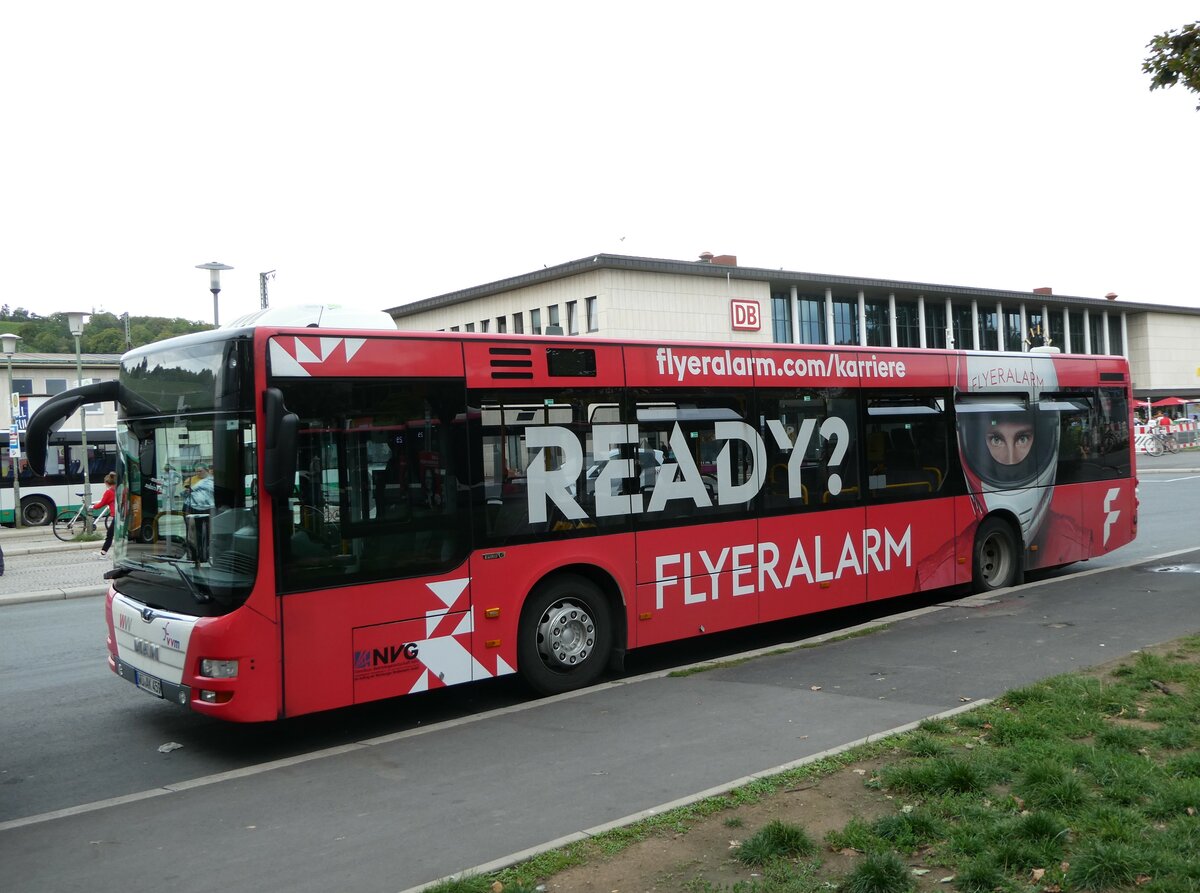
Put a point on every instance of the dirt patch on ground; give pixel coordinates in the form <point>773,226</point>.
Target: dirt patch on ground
<point>704,856</point>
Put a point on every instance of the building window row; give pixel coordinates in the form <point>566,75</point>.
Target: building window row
<point>938,323</point>
<point>590,319</point>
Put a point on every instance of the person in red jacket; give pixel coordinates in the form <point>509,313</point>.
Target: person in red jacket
<point>109,500</point>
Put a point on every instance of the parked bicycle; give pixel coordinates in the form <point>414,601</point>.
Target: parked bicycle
<point>70,524</point>
<point>1161,443</point>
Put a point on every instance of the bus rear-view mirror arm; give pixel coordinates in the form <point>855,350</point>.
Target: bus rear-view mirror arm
<point>279,445</point>
<point>50,415</point>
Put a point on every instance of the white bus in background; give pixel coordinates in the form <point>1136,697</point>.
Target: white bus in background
<point>44,496</point>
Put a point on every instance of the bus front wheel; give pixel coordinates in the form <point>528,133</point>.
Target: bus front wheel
<point>565,636</point>
<point>997,559</point>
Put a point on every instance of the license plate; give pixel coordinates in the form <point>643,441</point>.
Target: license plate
<point>149,683</point>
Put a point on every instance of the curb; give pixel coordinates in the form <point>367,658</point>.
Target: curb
<point>53,595</point>
<point>51,547</point>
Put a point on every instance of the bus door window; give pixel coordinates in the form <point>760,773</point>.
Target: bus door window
<point>1077,458</point>
<point>811,441</point>
<point>382,482</point>
<point>1113,442</point>
<point>687,446</point>
<point>906,441</point>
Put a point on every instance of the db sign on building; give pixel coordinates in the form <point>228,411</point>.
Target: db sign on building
<point>744,315</point>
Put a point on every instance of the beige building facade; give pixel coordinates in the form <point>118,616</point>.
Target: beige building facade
<point>714,299</point>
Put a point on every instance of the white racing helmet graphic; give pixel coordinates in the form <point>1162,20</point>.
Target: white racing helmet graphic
<point>1007,441</point>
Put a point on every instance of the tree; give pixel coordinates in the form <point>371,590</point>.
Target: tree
<point>104,332</point>
<point>1174,58</point>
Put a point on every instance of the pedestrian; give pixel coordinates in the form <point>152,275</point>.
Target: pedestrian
<point>1,561</point>
<point>108,500</point>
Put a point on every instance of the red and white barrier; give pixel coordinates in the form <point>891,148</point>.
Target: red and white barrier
<point>1187,433</point>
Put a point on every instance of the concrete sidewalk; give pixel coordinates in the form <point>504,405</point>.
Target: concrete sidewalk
<point>18,544</point>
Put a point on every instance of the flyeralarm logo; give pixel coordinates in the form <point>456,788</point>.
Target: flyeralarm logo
<point>699,364</point>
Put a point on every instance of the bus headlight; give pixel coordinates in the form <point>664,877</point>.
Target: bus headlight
<point>218,669</point>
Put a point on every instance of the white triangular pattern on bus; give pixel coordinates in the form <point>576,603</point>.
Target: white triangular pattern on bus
<point>284,364</point>
<point>448,590</point>
<point>502,668</point>
<point>450,661</point>
<point>466,626</point>
<point>304,354</point>
<point>328,345</point>
<point>352,346</point>
<point>421,684</point>
<point>433,618</point>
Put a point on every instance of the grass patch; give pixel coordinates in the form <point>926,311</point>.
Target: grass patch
<point>776,840</point>
<point>879,872</point>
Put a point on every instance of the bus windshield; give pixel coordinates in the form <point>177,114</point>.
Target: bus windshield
<point>186,519</point>
<point>187,525</point>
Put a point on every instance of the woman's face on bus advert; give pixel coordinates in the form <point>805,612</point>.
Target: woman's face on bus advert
<point>1009,442</point>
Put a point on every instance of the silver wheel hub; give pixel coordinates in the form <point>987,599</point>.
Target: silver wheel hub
<point>566,635</point>
<point>995,559</point>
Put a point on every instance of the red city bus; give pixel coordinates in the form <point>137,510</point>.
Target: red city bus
<point>329,517</point>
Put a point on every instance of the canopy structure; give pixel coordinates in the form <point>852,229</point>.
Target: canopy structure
<point>1170,401</point>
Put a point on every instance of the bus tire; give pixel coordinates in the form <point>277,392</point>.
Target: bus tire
<point>36,511</point>
<point>997,559</point>
<point>565,635</point>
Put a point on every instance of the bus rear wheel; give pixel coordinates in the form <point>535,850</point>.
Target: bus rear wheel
<point>565,636</point>
<point>997,561</point>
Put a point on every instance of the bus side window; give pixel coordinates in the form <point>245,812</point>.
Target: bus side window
<point>907,440</point>
<point>811,440</point>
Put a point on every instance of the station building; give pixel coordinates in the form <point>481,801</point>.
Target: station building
<point>714,299</point>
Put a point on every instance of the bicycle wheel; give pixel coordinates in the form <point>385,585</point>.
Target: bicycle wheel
<point>1172,444</point>
<point>65,527</point>
<point>1154,446</point>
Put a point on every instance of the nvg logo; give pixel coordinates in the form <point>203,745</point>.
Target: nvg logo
<point>390,654</point>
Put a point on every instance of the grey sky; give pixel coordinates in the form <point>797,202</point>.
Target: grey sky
<point>379,153</point>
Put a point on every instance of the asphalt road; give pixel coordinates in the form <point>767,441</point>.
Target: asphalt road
<point>397,794</point>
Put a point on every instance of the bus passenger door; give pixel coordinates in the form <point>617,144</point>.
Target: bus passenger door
<point>909,542</point>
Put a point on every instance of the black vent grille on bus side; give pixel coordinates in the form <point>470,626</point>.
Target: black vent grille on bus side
<point>498,364</point>
<point>1112,376</point>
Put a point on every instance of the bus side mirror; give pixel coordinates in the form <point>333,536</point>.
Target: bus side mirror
<point>279,445</point>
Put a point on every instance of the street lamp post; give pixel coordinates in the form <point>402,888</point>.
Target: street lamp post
<point>214,283</point>
<point>75,324</point>
<point>10,347</point>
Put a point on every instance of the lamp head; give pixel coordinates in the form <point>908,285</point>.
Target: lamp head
<point>9,341</point>
<point>214,274</point>
<point>75,322</point>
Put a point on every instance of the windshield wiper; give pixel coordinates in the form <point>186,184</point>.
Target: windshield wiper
<point>177,563</point>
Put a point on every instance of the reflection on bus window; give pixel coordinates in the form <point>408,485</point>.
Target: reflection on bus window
<point>812,449</point>
<point>907,445</point>
<point>383,484</point>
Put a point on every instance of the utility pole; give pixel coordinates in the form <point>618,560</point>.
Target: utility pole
<point>262,287</point>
